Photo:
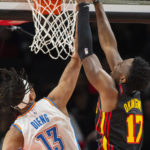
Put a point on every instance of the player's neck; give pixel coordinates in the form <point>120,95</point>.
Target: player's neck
<point>22,111</point>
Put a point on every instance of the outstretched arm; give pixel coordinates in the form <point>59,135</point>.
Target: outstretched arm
<point>93,69</point>
<point>106,37</point>
<point>63,91</point>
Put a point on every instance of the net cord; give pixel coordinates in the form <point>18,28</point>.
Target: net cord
<point>53,33</point>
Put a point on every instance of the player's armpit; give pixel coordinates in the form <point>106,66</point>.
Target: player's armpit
<point>13,139</point>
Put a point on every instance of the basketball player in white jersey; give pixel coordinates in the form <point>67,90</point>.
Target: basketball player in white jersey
<point>42,125</point>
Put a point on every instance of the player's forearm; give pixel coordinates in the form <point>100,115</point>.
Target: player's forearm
<point>63,91</point>
<point>89,60</point>
<point>72,70</point>
<point>106,36</point>
<point>69,78</point>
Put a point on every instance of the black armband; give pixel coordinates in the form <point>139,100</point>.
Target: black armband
<point>84,32</point>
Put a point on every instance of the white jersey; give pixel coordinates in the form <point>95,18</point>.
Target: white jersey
<point>45,127</point>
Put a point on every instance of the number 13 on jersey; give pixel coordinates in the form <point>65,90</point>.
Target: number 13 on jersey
<point>132,122</point>
<point>50,134</point>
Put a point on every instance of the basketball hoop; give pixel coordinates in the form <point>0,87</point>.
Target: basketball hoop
<point>54,22</point>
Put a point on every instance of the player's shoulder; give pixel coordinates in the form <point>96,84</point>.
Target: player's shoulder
<point>13,130</point>
<point>13,139</point>
<point>46,100</point>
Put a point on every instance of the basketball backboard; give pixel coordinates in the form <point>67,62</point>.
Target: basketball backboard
<point>117,10</point>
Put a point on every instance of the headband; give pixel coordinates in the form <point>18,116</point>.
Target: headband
<point>26,98</point>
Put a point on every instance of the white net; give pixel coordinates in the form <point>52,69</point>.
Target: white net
<point>54,22</point>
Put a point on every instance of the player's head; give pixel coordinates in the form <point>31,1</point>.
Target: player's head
<point>15,89</point>
<point>135,72</point>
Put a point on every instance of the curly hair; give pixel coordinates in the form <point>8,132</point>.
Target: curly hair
<point>12,88</point>
<point>139,75</point>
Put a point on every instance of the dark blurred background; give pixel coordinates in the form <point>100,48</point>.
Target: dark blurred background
<point>44,73</point>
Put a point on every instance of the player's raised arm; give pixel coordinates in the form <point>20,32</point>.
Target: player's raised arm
<point>63,91</point>
<point>106,36</point>
<point>93,69</point>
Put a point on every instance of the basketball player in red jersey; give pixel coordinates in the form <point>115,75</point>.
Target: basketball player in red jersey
<point>119,119</point>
